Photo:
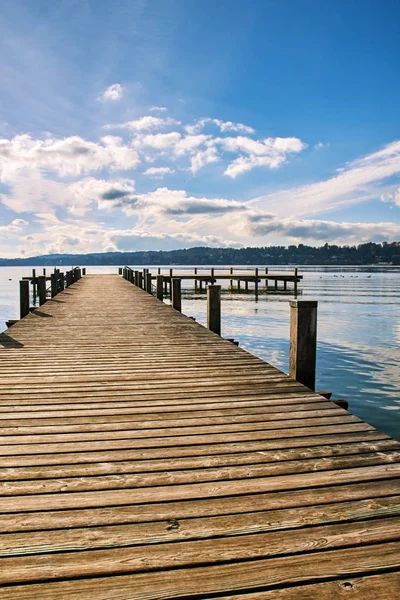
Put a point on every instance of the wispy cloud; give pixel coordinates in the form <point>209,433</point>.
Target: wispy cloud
<point>360,180</point>
<point>158,109</point>
<point>144,124</point>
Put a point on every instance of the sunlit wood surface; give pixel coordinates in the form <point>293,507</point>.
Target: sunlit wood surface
<point>143,456</point>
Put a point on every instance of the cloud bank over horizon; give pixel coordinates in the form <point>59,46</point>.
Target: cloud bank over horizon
<point>75,192</point>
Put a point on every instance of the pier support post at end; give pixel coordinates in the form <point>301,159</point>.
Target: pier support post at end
<point>214,308</point>
<point>303,341</point>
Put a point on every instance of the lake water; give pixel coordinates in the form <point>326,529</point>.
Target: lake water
<point>358,354</point>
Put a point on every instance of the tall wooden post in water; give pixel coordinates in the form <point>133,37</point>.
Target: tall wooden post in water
<point>160,287</point>
<point>42,289</point>
<point>214,308</point>
<point>176,294</point>
<point>147,282</point>
<point>23,298</point>
<point>303,341</point>
<point>53,279</point>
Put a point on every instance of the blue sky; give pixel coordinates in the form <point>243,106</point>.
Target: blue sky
<point>161,124</point>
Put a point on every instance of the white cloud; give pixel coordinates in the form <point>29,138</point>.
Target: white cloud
<point>203,158</point>
<point>15,226</point>
<point>355,183</point>
<point>189,144</point>
<point>158,109</point>
<point>257,224</point>
<point>223,126</point>
<point>143,240</point>
<point>67,156</point>
<point>107,194</point>
<point>158,141</point>
<point>164,201</point>
<point>159,172</point>
<point>393,196</point>
<point>113,92</point>
<point>270,152</point>
<point>147,123</point>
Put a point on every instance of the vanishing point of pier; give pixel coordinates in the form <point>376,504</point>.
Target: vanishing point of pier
<point>144,456</point>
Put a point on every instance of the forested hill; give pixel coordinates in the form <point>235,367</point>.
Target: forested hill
<point>363,254</point>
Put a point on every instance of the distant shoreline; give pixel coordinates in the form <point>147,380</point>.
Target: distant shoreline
<point>368,254</point>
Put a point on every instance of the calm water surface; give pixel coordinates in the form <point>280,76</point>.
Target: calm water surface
<point>358,356</point>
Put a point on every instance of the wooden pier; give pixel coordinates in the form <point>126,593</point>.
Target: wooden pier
<point>143,456</point>
<point>204,276</point>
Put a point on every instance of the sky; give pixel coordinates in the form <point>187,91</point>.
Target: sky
<point>165,124</point>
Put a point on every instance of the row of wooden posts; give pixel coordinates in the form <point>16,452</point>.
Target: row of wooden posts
<point>303,321</point>
<point>58,282</point>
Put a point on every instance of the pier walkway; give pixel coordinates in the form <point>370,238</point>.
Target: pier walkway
<point>144,457</point>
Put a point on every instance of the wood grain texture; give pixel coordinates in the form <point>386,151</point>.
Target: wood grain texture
<point>143,456</point>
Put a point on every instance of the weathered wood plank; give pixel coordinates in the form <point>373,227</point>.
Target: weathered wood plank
<point>243,576</point>
<point>195,469</point>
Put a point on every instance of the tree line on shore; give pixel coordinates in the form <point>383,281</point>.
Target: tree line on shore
<point>329,254</point>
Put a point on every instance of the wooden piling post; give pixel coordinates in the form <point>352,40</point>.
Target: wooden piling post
<point>231,281</point>
<point>212,272</point>
<point>176,294</point>
<point>23,298</point>
<point>256,282</point>
<point>147,283</point>
<point>295,282</point>
<point>159,271</point>
<point>42,289</point>
<point>303,341</point>
<point>140,279</point>
<point>246,285</point>
<point>53,280</point>
<point>285,285</point>
<point>160,287</point>
<point>214,308</point>
<point>119,270</point>
<point>276,284</point>
<point>84,271</point>
<point>170,273</point>
<point>34,286</point>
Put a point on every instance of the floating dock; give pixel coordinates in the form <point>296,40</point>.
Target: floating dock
<point>145,457</point>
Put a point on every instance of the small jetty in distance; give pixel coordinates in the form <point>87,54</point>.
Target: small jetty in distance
<point>144,456</point>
